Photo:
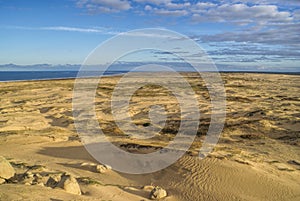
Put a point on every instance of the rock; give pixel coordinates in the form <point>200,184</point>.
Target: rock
<point>294,162</point>
<point>29,175</point>
<point>87,164</point>
<point>69,184</point>
<point>148,188</point>
<point>283,167</point>
<point>84,164</point>
<point>2,181</point>
<point>158,193</point>
<point>6,170</point>
<point>28,181</point>
<point>108,167</point>
<point>95,168</point>
<point>101,168</point>
<point>40,184</point>
<point>53,181</point>
<point>130,188</point>
<point>37,180</point>
<point>37,175</point>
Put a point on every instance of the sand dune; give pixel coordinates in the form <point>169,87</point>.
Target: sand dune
<point>257,157</point>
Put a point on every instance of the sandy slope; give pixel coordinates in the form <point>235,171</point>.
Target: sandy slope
<point>257,157</point>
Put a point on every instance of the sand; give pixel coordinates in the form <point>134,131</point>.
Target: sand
<point>257,157</point>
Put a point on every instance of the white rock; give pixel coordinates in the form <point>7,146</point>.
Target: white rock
<point>158,193</point>
<point>101,168</point>
<point>69,184</point>
<point>29,175</point>
<point>148,188</point>
<point>6,170</point>
<point>84,164</point>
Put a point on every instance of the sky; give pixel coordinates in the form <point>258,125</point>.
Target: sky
<point>236,34</point>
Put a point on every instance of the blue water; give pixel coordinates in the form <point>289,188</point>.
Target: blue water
<point>45,75</point>
<point>6,76</point>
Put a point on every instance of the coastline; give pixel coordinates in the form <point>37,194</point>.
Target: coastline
<point>122,73</point>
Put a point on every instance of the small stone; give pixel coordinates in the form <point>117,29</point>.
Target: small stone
<point>37,175</point>
<point>130,188</point>
<point>101,168</point>
<point>27,183</point>
<point>84,164</point>
<point>29,175</point>
<point>158,193</point>
<point>69,184</point>
<point>6,170</point>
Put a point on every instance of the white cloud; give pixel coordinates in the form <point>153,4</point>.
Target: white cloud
<point>73,29</point>
<point>171,5</point>
<point>202,5</point>
<point>173,13</point>
<point>243,14</point>
<point>296,14</point>
<point>104,6</point>
<point>267,22</point>
<point>154,2</point>
<point>148,8</point>
<point>282,35</point>
<point>101,30</point>
<point>267,2</point>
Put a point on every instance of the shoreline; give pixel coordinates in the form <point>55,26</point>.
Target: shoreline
<point>118,74</point>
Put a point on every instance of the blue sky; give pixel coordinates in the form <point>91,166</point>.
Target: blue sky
<point>250,35</point>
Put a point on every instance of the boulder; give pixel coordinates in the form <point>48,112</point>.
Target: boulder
<point>6,170</point>
<point>158,193</point>
<point>69,184</point>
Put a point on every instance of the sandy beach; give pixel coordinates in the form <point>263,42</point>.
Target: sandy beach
<point>257,156</point>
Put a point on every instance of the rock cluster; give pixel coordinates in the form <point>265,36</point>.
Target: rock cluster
<point>59,180</point>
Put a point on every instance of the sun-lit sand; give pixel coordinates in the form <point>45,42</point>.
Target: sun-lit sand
<point>257,157</point>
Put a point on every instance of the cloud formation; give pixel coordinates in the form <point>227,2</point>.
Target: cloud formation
<point>101,30</point>
<point>242,14</point>
<point>104,6</point>
<point>283,34</point>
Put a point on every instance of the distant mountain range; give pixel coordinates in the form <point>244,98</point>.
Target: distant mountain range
<point>39,67</point>
<point>127,66</point>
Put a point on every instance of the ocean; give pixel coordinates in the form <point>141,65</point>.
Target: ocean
<point>6,76</point>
